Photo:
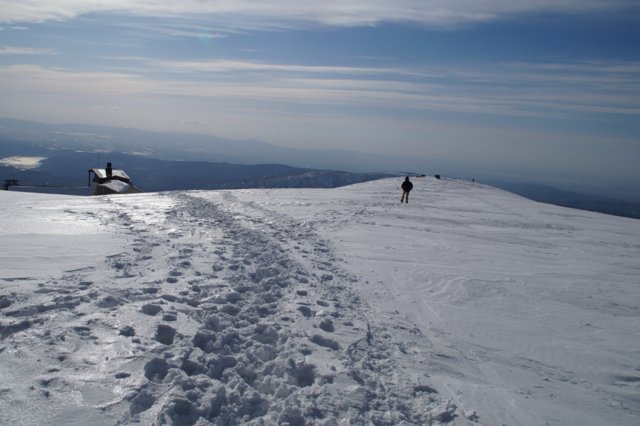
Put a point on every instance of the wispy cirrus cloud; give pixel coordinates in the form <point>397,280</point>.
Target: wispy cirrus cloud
<point>232,66</point>
<point>8,50</point>
<point>440,13</point>
<point>503,91</point>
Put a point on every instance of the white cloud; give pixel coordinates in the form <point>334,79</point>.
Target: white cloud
<point>230,66</point>
<point>26,51</point>
<point>239,13</point>
<point>502,91</point>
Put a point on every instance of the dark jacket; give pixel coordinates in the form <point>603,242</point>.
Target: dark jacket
<point>407,185</point>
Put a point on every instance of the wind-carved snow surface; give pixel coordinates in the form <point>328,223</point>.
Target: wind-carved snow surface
<point>466,306</point>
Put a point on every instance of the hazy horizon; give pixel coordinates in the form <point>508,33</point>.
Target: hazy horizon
<point>541,91</point>
<point>199,147</point>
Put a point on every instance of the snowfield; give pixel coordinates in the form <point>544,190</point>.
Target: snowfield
<point>467,306</point>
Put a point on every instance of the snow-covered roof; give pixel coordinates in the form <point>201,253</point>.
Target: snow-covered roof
<point>117,186</point>
<point>102,173</point>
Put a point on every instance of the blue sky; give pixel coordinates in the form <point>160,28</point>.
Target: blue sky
<point>519,89</point>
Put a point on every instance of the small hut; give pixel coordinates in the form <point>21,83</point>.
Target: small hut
<point>118,183</point>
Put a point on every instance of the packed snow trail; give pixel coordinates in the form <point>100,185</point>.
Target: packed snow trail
<point>467,306</point>
<point>211,315</point>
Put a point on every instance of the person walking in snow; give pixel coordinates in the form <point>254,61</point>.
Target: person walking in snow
<point>109,170</point>
<point>406,186</point>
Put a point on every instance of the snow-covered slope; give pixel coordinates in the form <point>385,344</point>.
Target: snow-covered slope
<point>468,305</point>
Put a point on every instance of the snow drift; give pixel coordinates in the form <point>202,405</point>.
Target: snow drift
<point>468,305</point>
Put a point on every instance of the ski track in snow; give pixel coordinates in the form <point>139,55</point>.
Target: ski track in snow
<point>249,320</point>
